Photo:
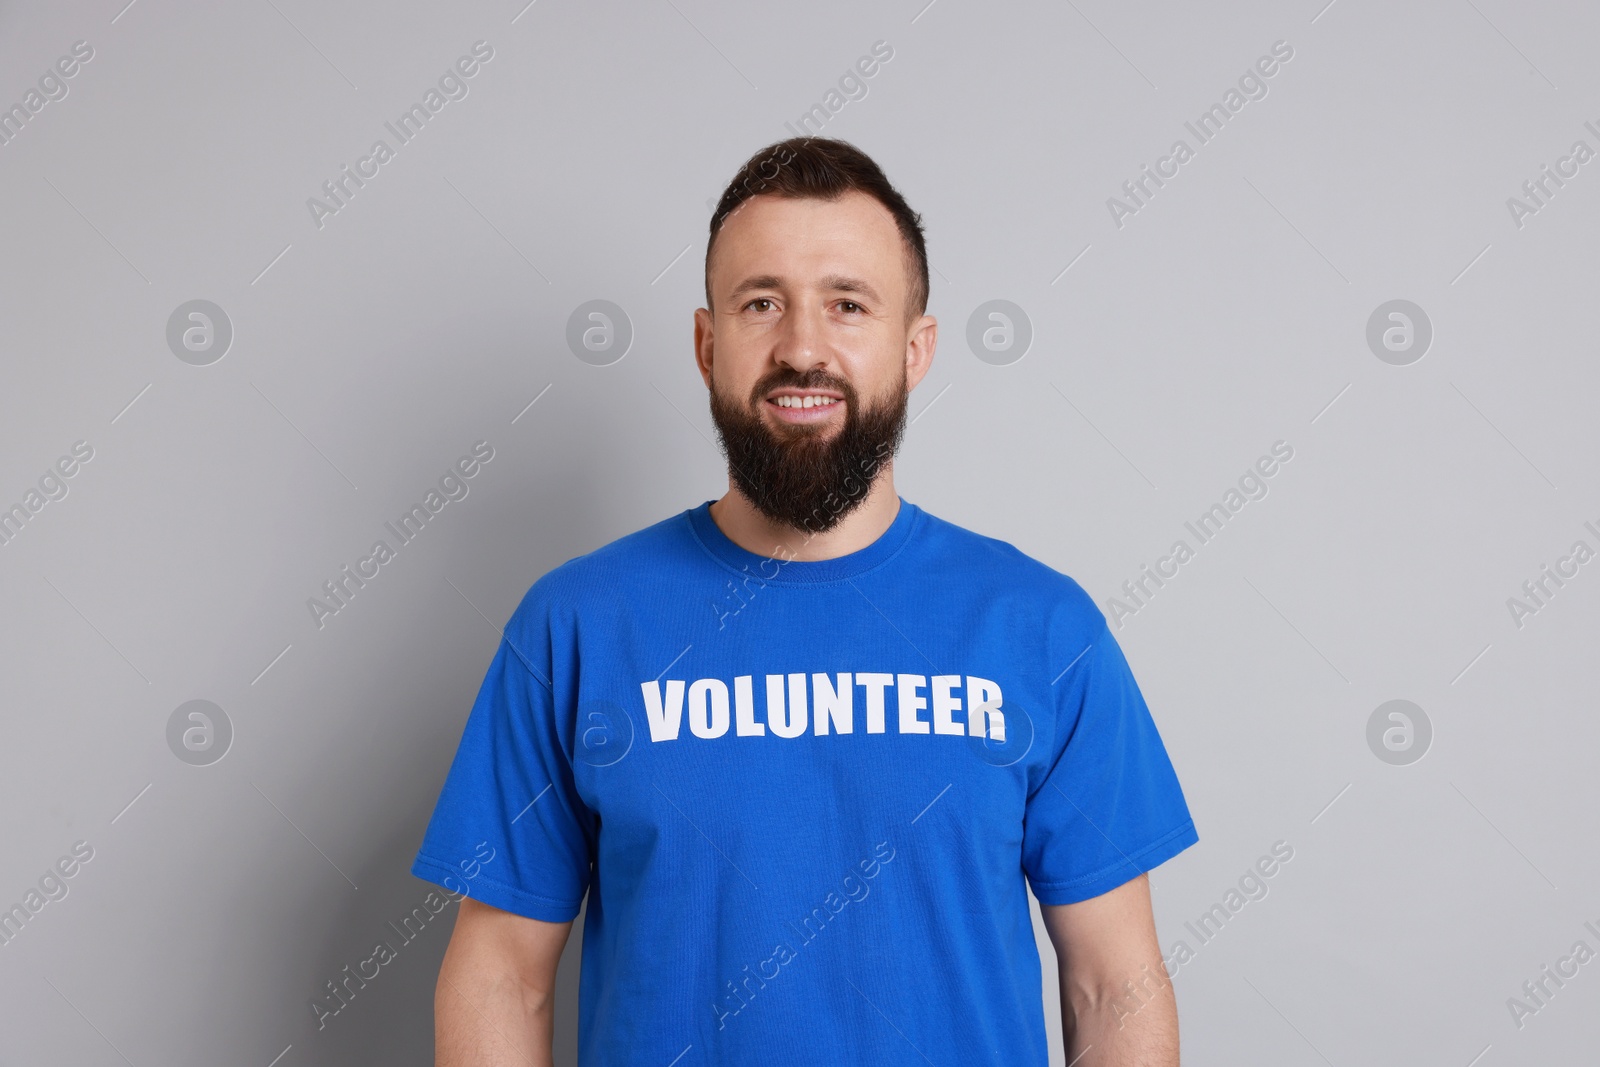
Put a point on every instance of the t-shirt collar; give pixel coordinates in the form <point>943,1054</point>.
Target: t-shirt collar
<point>776,569</point>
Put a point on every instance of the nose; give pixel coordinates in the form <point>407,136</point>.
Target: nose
<point>799,343</point>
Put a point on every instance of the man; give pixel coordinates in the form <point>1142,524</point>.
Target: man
<point>805,748</point>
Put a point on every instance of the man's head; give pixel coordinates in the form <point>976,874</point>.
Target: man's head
<point>816,293</point>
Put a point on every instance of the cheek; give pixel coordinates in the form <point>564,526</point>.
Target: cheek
<point>732,377</point>
<point>744,353</point>
<point>878,375</point>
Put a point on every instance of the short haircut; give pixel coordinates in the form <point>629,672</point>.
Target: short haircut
<point>824,168</point>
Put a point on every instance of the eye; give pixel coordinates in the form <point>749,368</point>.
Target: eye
<point>758,300</point>
<point>851,306</point>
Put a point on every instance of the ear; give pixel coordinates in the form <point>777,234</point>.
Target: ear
<point>923,339</point>
<point>703,342</point>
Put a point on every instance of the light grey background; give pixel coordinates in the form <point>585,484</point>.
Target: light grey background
<point>1229,313</point>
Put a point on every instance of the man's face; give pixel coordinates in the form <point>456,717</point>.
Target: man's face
<point>810,356</point>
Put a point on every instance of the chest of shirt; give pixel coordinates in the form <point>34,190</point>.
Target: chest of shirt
<point>810,707</point>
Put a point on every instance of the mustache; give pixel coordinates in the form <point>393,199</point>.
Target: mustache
<point>790,378</point>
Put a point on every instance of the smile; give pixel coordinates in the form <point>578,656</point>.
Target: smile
<point>801,408</point>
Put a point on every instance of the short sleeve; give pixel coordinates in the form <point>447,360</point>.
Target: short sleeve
<point>509,827</point>
<point>1109,807</point>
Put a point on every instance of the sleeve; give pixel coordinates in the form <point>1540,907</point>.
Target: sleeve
<point>509,827</point>
<point>1109,806</point>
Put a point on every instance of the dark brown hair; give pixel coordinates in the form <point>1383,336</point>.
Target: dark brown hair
<point>823,168</point>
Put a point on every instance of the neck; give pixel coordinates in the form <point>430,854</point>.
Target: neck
<point>748,528</point>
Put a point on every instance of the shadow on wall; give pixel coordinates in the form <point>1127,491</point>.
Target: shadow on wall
<point>347,976</point>
<point>367,991</point>
<point>388,1018</point>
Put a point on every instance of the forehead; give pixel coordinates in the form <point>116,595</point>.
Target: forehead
<point>798,239</point>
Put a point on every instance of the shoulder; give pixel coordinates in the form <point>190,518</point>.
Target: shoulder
<point>1001,570</point>
<point>617,571</point>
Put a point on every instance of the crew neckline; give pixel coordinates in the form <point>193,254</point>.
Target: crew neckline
<point>741,560</point>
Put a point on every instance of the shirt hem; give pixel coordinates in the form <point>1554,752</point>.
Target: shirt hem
<point>1125,870</point>
<point>498,894</point>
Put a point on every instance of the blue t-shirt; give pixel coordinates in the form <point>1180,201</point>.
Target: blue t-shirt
<point>803,796</point>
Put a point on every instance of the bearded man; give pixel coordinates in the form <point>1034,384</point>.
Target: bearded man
<point>805,749</point>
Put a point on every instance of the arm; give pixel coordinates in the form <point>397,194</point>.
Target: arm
<point>1117,1008</point>
<point>495,1002</point>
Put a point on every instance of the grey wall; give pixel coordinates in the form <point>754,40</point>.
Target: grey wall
<point>1171,347</point>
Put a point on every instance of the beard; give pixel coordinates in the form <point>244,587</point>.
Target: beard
<point>794,475</point>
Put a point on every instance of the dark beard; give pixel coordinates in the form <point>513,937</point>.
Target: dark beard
<point>795,476</point>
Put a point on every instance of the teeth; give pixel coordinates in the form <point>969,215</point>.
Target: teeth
<point>805,402</point>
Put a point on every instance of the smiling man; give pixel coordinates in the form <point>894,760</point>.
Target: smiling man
<point>804,749</point>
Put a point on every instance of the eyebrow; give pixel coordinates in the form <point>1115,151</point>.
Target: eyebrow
<point>759,281</point>
<point>839,283</point>
<point>834,282</point>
